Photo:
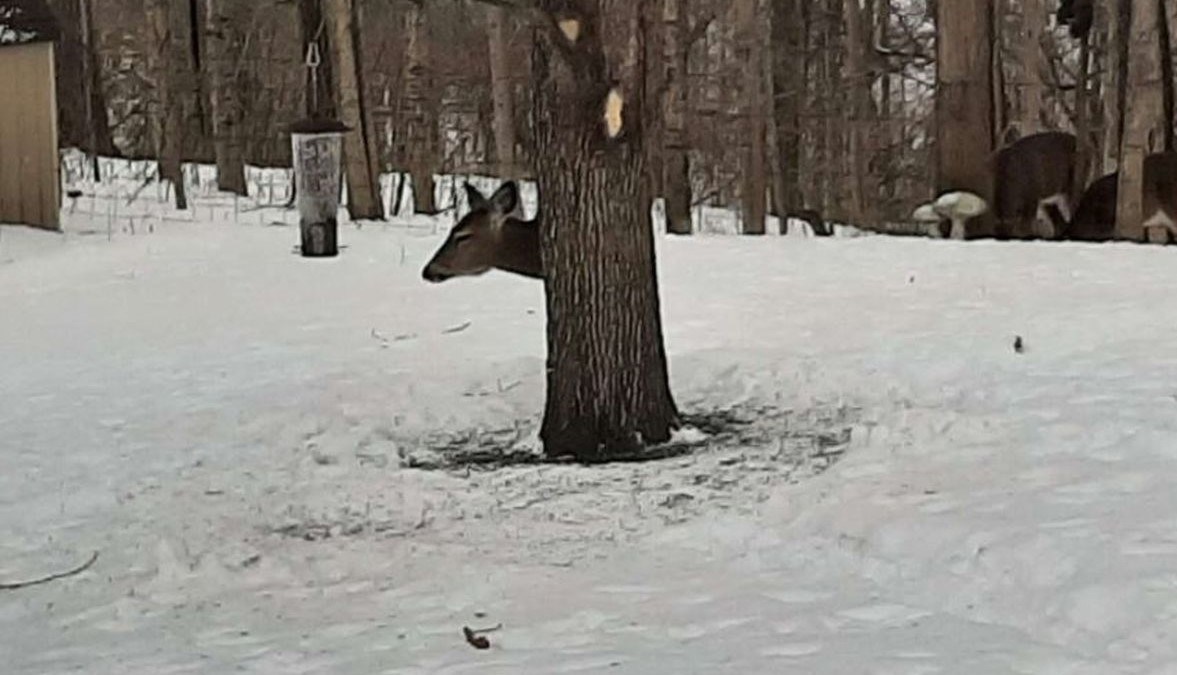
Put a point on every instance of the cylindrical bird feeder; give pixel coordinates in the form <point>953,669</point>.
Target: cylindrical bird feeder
<point>318,168</point>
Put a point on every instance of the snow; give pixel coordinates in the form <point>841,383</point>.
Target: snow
<point>230,425</point>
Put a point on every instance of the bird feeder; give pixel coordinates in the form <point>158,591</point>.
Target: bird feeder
<point>318,166</point>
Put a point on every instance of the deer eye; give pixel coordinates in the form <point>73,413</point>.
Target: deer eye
<point>463,235</point>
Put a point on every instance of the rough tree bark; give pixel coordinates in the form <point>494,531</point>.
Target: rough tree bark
<point>221,65</point>
<point>320,80</point>
<point>1085,147</point>
<point>608,393</point>
<point>363,186</point>
<point>82,108</point>
<point>421,147</point>
<point>1167,20</point>
<point>676,162</point>
<point>169,48</point>
<point>1144,116</point>
<point>829,157</point>
<point>860,110</point>
<point>1034,66</point>
<point>788,87</point>
<point>502,92</point>
<point>750,52</point>
<point>1118,15</point>
<point>964,102</point>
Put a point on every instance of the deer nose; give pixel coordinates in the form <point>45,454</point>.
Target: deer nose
<point>432,275</point>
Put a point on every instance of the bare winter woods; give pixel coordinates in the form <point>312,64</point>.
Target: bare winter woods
<point>856,111</point>
<point>1010,119</point>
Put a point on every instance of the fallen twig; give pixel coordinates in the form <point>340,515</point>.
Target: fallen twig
<point>386,342</point>
<point>456,329</point>
<point>12,586</point>
<point>474,639</point>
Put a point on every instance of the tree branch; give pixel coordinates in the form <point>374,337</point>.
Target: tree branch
<point>12,586</point>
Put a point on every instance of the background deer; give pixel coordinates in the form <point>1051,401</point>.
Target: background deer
<point>1095,217</point>
<point>1032,186</point>
<point>1160,197</point>
<point>1031,192</point>
<point>492,235</point>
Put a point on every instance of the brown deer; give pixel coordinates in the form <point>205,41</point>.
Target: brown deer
<point>1160,197</point>
<point>1032,185</point>
<point>492,235</point>
<point>1095,217</point>
<point>1031,192</point>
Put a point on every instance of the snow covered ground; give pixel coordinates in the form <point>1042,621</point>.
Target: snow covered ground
<point>228,425</point>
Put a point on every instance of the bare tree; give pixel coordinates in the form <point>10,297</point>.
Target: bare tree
<point>1146,128</point>
<point>608,392</point>
<point>363,187</point>
<point>419,116</point>
<point>170,43</point>
<point>859,45</point>
<point>789,28</point>
<point>81,99</point>
<point>964,100</point>
<point>502,91</point>
<point>675,156</point>
<point>222,57</point>
<point>750,52</point>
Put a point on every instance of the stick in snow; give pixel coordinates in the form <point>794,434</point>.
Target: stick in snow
<point>12,586</point>
<point>475,640</point>
<point>456,329</point>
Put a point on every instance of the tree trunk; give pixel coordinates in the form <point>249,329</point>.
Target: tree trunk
<point>502,91</point>
<point>858,42</point>
<point>964,103</point>
<point>676,160</point>
<point>608,393</point>
<point>82,110</point>
<point>997,78</point>
<point>320,80</point>
<point>1145,127</point>
<point>788,86</point>
<point>892,133</point>
<point>363,186</point>
<point>1116,93</point>
<point>1085,147</point>
<point>1034,17</point>
<point>421,144</point>
<point>1167,20</point>
<point>168,49</point>
<point>750,52</point>
<point>220,66</point>
<point>829,157</point>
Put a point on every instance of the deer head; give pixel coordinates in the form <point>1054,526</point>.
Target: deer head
<point>490,236</point>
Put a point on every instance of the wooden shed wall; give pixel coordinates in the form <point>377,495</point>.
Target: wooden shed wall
<point>30,190</point>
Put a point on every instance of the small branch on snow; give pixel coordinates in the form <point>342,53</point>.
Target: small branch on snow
<point>385,342</point>
<point>474,639</point>
<point>456,329</point>
<point>12,586</point>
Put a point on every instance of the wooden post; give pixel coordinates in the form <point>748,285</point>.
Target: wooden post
<point>318,164</point>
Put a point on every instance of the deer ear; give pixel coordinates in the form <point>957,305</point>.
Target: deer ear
<point>474,198</point>
<point>506,199</point>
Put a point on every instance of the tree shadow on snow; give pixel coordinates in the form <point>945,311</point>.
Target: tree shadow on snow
<point>818,436</point>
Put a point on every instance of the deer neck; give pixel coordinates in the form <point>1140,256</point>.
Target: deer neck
<point>519,248</point>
